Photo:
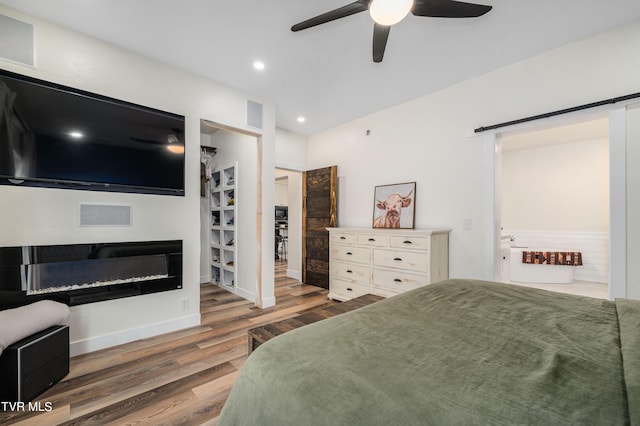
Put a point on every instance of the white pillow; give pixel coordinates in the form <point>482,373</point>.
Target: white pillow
<point>18,323</point>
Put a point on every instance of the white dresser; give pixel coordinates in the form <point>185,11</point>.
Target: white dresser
<point>385,261</point>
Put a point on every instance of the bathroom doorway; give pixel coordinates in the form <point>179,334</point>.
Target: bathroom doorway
<point>554,185</point>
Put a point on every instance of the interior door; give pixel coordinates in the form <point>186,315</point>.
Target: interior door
<point>319,211</point>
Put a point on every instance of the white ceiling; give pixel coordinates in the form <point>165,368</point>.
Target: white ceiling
<point>326,73</point>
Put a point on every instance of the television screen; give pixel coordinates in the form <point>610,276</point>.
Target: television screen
<point>281,212</point>
<point>56,136</point>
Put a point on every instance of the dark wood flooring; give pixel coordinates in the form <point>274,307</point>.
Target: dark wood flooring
<point>178,378</point>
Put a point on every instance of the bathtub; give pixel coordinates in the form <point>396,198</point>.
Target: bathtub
<point>528,273</point>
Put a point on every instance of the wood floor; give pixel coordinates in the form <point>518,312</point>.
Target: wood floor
<point>179,378</point>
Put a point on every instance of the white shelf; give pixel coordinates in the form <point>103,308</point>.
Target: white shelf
<point>223,226</point>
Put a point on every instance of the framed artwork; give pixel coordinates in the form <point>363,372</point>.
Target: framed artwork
<point>394,205</point>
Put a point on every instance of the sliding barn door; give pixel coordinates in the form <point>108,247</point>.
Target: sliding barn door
<point>319,211</point>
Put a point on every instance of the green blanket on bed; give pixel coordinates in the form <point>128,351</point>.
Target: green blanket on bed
<point>459,352</point>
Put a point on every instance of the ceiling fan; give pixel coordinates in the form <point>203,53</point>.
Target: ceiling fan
<point>385,13</point>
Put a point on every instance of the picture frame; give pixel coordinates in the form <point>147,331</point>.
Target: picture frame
<point>394,206</point>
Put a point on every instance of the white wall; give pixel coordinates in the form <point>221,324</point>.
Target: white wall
<point>281,194</point>
<point>290,150</point>
<point>205,224</point>
<point>294,257</point>
<point>562,187</point>
<point>235,147</point>
<point>427,140</point>
<point>33,216</point>
<point>633,203</point>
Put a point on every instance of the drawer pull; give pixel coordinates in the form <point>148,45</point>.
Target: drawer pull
<point>397,259</point>
<point>349,289</point>
<point>398,280</point>
<point>349,253</point>
<point>349,271</point>
<point>343,238</point>
<point>372,240</point>
<point>407,242</point>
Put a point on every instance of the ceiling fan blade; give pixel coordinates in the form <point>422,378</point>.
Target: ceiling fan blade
<point>341,12</point>
<point>380,36</point>
<point>448,9</point>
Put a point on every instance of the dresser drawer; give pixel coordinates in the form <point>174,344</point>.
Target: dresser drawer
<point>351,272</point>
<point>351,254</point>
<point>343,238</point>
<point>398,281</point>
<point>343,290</point>
<point>409,242</point>
<point>373,240</point>
<point>411,261</point>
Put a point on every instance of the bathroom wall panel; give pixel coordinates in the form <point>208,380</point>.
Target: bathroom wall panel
<point>593,245</point>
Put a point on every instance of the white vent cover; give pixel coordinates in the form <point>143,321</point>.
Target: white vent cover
<point>105,215</point>
<point>254,114</point>
<point>16,41</point>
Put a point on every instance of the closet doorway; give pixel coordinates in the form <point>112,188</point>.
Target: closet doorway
<point>230,220</point>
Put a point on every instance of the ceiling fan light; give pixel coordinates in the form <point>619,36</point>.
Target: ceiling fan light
<point>389,12</point>
<point>176,149</point>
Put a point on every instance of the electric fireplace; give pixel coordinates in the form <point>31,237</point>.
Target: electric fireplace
<point>93,272</point>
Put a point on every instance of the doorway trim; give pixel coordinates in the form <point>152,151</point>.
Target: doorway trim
<point>294,233</point>
<point>260,300</point>
<point>617,193</point>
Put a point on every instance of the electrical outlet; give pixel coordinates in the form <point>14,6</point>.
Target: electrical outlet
<point>467,225</point>
<point>184,304</point>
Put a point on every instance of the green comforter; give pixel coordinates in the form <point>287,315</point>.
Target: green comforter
<point>459,352</point>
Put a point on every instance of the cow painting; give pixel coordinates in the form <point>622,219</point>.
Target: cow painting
<point>391,210</point>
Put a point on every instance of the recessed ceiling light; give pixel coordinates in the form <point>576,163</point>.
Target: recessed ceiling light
<point>76,134</point>
<point>258,65</point>
<point>301,119</point>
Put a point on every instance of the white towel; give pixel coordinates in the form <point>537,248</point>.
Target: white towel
<point>18,323</point>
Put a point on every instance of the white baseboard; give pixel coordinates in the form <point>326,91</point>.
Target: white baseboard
<point>205,279</point>
<point>101,342</point>
<point>245,294</point>
<point>296,275</point>
<point>268,302</point>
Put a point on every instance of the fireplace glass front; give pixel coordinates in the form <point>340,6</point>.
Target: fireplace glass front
<point>93,272</point>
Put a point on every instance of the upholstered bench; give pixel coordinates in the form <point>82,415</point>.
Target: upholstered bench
<point>34,347</point>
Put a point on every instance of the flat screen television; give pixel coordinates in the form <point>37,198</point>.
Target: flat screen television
<point>281,212</point>
<point>59,137</point>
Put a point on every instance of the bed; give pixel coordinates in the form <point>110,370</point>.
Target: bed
<point>458,352</point>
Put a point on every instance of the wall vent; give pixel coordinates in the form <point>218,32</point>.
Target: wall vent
<point>105,215</point>
<point>17,44</point>
<point>254,114</point>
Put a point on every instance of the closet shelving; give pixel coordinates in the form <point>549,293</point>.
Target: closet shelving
<point>223,226</point>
